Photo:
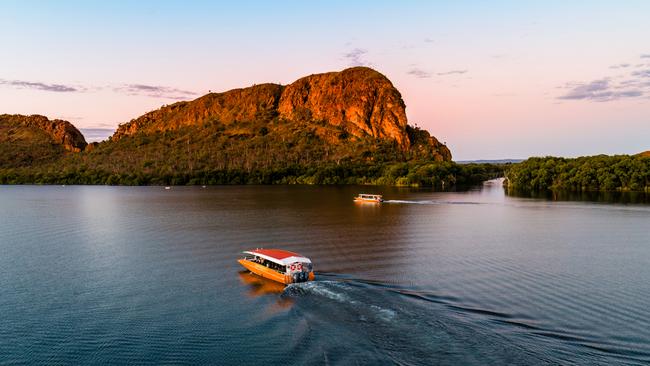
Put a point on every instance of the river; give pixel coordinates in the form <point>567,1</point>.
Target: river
<point>145,275</point>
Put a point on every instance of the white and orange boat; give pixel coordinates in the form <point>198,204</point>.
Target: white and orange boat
<point>278,265</point>
<point>373,198</point>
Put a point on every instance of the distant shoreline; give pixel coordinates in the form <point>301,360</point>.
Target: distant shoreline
<point>489,161</point>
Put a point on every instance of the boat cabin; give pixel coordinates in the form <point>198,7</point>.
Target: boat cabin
<point>279,265</point>
<point>365,197</point>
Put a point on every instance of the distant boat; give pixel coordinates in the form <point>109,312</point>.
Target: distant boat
<point>168,187</point>
<point>278,265</point>
<point>364,197</point>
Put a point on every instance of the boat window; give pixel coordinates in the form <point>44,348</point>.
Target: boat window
<point>269,264</point>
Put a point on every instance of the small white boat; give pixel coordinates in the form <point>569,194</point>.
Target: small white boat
<point>364,197</point>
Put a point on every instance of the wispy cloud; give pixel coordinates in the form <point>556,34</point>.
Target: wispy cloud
<point>419,73</point>
<point>154,91</point>
<point>424,74</point>
<point>602,90</point>
<point>428,40</point>
<point>620,66</point>
<point>69,118</point>
<point>452,72</point>
<point>59,88</point>
<point>642,73</point>
<point>632,81</point>
<point>356,57</point>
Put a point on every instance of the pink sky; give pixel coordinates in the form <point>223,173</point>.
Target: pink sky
<point>504,80</point>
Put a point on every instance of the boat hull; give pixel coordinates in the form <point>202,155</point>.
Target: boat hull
<point>366,200</point>
<point>268,273</point>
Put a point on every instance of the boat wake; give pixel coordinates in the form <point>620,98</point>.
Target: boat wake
<point>350,321</point>
<point>343,294</point>
<point>370,323</point>
<point>431,202</point>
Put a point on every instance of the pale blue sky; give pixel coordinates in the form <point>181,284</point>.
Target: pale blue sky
<point>492,79</point>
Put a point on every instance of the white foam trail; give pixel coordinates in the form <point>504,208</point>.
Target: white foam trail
<point>433,202</point>
<point>384,314</point>
<point>413,202</point>
<point>320,288</point>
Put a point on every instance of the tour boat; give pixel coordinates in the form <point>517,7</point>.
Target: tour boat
<point>278,265</point>
<point>363,197</point>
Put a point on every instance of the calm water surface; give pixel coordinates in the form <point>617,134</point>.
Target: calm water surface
<point>96,275</point>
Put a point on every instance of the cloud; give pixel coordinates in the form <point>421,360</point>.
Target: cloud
<point>419,73</point>
<point>619,66</point>
<point>452,72</point>
<point>601,90</point>
<point>428,40</point>
<point>632,81</point>
<point>59,88</point>
<point>110,126</point>
<point>423,74</point>
<point>355,57</point>
<point>154,91</point>
<point>642,73</point>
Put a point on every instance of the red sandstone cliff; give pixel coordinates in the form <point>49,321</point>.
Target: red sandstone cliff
<point>61,132</point>
<point>359,100</point>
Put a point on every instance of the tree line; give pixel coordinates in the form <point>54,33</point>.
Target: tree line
<point>589,173</point>
<point>255,152</point>
<point>439,175</point>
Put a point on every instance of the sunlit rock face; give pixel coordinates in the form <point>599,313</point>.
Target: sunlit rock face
<point>61,132</point>
<point>359,101</point>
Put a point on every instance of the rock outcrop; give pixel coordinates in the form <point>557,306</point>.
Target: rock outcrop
<point>61,132</point>
<point>232,106</point>
<point>359,101</point>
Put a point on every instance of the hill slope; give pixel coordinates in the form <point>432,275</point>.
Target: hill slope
<point>337,107</point>
<point>338,127</point>
<point>33,140</point>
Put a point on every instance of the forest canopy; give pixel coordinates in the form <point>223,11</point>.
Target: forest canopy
<point>589,173</point>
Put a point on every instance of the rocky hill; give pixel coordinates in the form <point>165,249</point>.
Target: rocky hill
<point>33,140</point>
<point>331,128</point>
<point>60,132</point>
<point>359,103</point>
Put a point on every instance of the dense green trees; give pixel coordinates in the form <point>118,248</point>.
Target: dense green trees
<point>590,173</point>
<point>441,175</point>
<point>256,152</point>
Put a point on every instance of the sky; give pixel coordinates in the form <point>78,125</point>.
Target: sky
<point>497,79</point>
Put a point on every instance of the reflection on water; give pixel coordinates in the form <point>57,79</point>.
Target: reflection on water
<point>259,285</point>
<point>593,196</point>
<point>147,275</point>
